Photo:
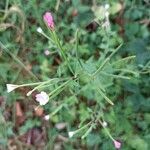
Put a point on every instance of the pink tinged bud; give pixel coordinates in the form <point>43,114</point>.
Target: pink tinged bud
<point>48,19</point>
<point>42,98</point>
<point>117,144</point>
<point>47,52</point>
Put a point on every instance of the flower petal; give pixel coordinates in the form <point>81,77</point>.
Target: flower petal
<point>42,98</point>
<point>49,20</point>
<point>11,87</point>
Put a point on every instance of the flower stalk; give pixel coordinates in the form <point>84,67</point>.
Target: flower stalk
<point>105,61</point>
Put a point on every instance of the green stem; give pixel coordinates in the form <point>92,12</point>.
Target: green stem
<point>17,60</point>
<point>146,66</point>
<point>37,83</point>
<point>115,76</point>
<point>127,71</point>
<point>47,37</point>
<point>85,126</point>
<point>105,97</point>
<point>106,130</point>
<point>105,61</point>
<point>57,89</point>
<point>76,47</point>
<point>56,110</point>
<point>88,131</point>
<point>123,60</point>
<point>39,86</point>
<point>61,50</point>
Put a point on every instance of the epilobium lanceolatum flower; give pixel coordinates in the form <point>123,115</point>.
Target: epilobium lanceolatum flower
<point>39,29</point>
<point>48,19</point>
<point>11,87</point>
<point>47,117</point>
<point>117,144</point>
<point>71,133</point>
<point>42,98</point>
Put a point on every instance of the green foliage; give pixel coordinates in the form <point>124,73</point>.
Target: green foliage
<point>93,67</point>
<point>30,123</point>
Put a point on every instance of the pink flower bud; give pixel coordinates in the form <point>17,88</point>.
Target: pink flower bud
<point>48,19</point>
<point>117,144</point>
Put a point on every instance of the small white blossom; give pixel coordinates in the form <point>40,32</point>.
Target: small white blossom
<point>71,133</point>
<point>39,29</point>
<point>106,13</point>
<point>107,6</point>
<point>46,117</point>
<point>106,23</point>
<point>47,52</point>
<point>61,125</point>
<point>104,124</point>
<point>42,98</point>
<point>11,87</point>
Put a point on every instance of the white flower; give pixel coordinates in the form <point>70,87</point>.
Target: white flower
<point>47,52</point>
<point>107,6</point>
<point>11,87</point>
<point>42,98</point>
<point>46,117</point>
<point>104,124</point>
<point>106,13</point>
<point>71,133</point>
<point>39,29</point>
<point>61,125</point>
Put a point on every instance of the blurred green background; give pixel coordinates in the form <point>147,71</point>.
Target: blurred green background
<point>23,60</point>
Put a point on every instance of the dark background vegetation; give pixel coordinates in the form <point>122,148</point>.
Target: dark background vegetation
<point>23,128</point>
